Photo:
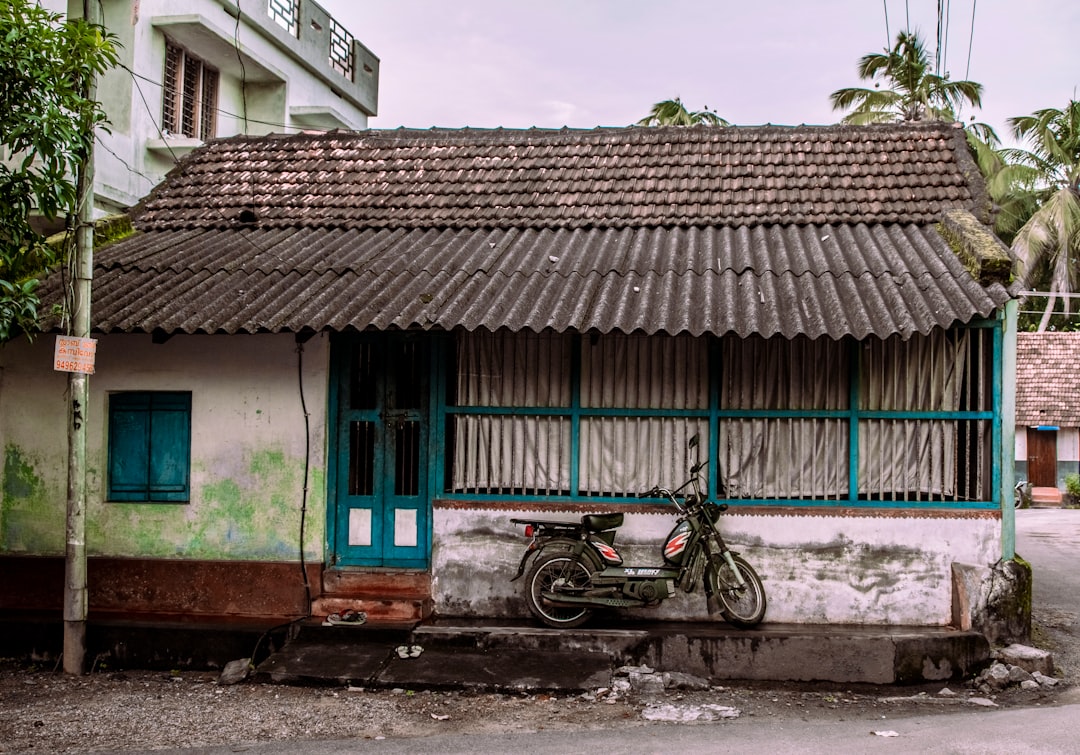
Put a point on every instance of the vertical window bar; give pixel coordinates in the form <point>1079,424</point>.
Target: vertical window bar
<point>207,105</point>
<point>189,109</point>
<point>170,95</point>
<point>361,458</point>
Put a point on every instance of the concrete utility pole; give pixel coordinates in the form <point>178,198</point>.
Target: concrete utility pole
<point>75,595</point>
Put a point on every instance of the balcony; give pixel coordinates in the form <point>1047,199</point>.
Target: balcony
<point>303,32</point>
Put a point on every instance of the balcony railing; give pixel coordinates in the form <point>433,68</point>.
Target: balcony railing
<point>286,13</point>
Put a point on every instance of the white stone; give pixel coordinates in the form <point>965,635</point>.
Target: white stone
<point>685,713</point>
<point>1028,658</point>
<point>235,671</point>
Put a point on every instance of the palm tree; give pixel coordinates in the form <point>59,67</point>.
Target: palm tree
<point>674,113</point>
<point>913,92</point>
<point>1049,174</point>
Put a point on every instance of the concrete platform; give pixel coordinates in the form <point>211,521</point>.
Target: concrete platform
<point>489,655</point>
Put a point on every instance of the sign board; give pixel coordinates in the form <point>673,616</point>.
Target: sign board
<point>74,354</point>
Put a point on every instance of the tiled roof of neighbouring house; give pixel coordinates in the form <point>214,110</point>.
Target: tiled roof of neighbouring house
<point>612,178</point>
<point>824,230</point>
<point>1048,379</point>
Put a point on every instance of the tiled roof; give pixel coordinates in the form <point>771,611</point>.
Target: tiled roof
<point>1048,379</point>
<point>633,177</point>
<point>823,231</point>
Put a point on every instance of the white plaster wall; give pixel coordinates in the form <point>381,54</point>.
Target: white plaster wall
<point>1021,443</point>
<point>1068,444</point>
<point>887,569</point>
<point>247,446</point>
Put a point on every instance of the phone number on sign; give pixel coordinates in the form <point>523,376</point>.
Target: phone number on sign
<point>65,366</point>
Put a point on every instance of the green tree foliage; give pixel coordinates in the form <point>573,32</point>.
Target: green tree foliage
<point>46,129</point>
<point>674,113</point>
<point>1046,179</point>
<point>912,91</point>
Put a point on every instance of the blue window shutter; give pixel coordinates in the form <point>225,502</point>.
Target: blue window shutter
<point>170,447</point>
<point>149,446</point>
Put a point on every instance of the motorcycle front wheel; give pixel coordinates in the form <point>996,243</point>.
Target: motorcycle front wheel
<point>550,573</point>
<point>743,607</point>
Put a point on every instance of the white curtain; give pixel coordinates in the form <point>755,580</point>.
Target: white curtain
<point>785,457</point>
<point>519,453</point>
<point>625,381</point>
<point>911,458</point>
<point>618,455</point>
<point>626,455</point>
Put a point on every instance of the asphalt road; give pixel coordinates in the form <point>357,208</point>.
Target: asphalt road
<point>1015,732</point>
<point>1049,539</point>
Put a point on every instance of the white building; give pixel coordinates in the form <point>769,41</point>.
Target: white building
<point>204,69</point>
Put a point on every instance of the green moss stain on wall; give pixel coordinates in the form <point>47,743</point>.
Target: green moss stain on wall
<point>31,516</point>
<point>250,512</point>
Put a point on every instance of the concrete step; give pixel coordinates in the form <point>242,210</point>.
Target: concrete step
<point>1042,498</point>
<point>519,656</point>
<point>378,610</point>
<point>386,596</point>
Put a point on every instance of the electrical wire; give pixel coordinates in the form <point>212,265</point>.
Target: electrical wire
<point>176,160</point>
<point>222,111</point>
<point>945,39</point>
<point>240,60</point>
<point>307,472</point>
<point>971,40</point>
<point>937,51</point>
<point>888,35</point>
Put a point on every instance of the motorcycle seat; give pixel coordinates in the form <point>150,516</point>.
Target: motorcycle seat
<point>601,522</point>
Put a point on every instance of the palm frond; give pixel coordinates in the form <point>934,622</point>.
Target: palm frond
<point>905,84</point>
<point>674,113</point>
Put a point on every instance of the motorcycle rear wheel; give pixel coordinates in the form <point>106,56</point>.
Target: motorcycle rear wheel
<point>548,573</point>
<point>742,607</point>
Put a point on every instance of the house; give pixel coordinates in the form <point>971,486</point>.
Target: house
<point>332,367</point>
<point>1047,409</point>
<point>216,68</point>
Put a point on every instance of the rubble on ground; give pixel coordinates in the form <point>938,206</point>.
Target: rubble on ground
<point>1016,666</point>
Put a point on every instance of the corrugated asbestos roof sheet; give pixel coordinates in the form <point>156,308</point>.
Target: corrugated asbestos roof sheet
<point>1047,379</point>
<point>822,231</point>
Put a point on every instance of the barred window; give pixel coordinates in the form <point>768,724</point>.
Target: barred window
<point>638,401</point>
<point>878,421</point>
<point>189,97</point>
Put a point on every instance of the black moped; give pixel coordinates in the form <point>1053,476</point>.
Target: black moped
<point>576,567</point>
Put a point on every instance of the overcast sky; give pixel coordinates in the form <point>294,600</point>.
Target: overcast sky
<point>585,63</point>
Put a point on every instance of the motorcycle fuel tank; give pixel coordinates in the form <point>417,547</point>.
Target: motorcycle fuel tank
<point>675,545</point>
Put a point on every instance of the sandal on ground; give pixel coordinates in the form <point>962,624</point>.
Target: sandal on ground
<point>347,617</point>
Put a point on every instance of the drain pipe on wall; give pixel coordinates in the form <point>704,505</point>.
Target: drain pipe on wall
<point>301,339</point>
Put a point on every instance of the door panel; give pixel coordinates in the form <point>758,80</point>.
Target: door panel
<point>381,510</point>
<point>1042,458</point>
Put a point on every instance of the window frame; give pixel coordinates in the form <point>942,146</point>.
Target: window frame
<point>188,113</point>
<point>982,417</point>
<point>163,418</point>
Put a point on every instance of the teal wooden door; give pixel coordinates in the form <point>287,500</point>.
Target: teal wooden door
<point>380,513</point>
